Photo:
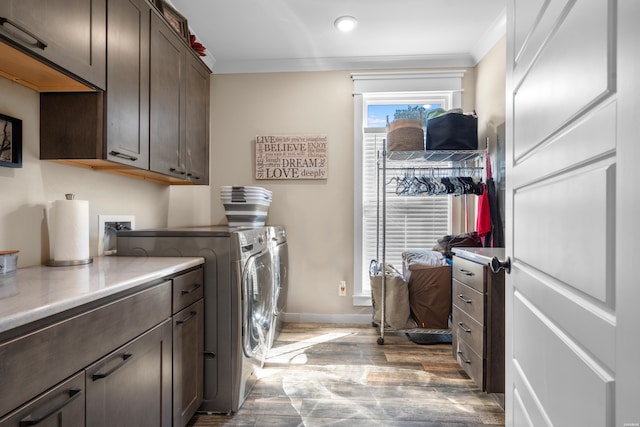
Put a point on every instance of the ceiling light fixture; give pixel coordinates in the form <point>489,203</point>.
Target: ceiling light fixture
<point>345,23</point>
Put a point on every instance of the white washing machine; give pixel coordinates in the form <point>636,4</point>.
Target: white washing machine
<point>253,263</point>
<point>238,299</point>
<point>280,256</point>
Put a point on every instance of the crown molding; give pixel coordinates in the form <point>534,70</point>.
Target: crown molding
<point>494,33</point>
<point>347,63</point>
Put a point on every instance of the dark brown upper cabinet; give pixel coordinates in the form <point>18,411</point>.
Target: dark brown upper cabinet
<point>197,120</point>
<point>127,96</point>
<point>55,44</point>
<point>153,115</point>
<point>179,107</point>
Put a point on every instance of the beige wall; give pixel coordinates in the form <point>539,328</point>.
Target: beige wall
<point>490,92</point>
<point>318,215</point>
<point>490,105</point>
<point>25,191</point>
<point>488,82</point>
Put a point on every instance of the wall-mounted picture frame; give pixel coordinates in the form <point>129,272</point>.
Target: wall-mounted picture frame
<point>10,142</point>
<point>175,19</point>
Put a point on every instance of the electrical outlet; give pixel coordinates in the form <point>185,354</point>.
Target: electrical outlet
<point>107,227</point>
<point>342,288</point>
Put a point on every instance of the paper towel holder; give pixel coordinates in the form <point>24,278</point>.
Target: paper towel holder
<point>67,263</point>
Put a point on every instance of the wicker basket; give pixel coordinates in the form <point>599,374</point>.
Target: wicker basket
<point>405,135</point>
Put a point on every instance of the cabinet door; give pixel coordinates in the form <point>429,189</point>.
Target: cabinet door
<point>70,34</point>
<point>188,347</point>
<point>197,121</point>
<point>168,56</point>
<point>62,406</point>
<point>41,358</point>
<point>127,112</point>
<point>132,385</point>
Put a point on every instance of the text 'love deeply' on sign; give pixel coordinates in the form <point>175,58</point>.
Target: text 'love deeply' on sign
<point>291,157</point>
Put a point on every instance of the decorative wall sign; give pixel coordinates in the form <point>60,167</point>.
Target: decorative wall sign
<point>10,142</point>
<point>291,157</point>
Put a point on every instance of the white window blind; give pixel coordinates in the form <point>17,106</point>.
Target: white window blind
<point>412,222</point>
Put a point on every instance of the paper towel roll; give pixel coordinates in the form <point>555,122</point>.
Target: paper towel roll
<point>68,222</point>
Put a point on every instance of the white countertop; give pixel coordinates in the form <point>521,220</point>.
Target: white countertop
<point>479,255</point>
<point>34,293</point>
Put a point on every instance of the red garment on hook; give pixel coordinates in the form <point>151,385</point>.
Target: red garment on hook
<point>483,217</point>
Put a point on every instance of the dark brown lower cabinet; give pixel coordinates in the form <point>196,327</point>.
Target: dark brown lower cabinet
<point>62,406</point>
<point>188,347</point>
<point>478,322</point>
<point>132,385</point>
<point>133,361</point>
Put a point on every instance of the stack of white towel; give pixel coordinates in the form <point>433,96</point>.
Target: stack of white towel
<point>245,206</point>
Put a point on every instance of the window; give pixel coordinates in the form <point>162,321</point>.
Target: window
<point>412,222</point>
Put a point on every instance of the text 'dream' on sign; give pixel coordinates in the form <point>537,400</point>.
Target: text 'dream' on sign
<point>291,157</point>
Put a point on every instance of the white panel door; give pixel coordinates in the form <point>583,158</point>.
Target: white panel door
<point>573,210</point>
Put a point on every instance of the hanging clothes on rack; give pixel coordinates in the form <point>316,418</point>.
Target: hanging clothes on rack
<point>434,173</point>
<point>411,184</point>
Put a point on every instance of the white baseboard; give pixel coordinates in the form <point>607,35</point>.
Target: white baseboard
<point>328,318</point>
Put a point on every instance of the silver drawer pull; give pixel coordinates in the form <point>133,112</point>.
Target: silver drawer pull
<point>468,301</point>
<point>466,272</point>
<point>461,325</point>
<point>467,361</point>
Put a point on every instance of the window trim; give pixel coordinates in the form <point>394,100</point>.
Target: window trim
<point>385,87</point>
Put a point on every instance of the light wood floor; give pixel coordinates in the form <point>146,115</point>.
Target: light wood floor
<point>324,375</point>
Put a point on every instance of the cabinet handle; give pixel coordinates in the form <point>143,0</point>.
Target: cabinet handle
<point>123,156</point>
<point>174,170</point>
<point>186,319</point>
<point>465,360</point>
<point>468,301</point>
<point>74,393</point>
<point>125,358</point>
<point>461,325</point>
<point>38,43</point>
<point>465,272</point>
<point>193,289</point>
